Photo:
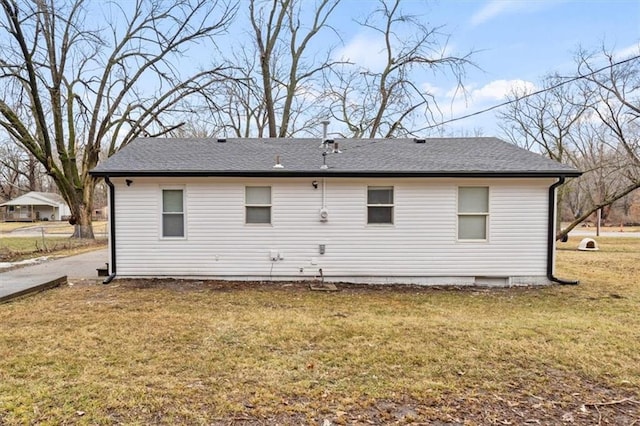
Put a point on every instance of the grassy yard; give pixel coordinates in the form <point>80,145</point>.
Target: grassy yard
<point>99,227</point>
<point>19,248</point>
<point>52,239</point>
<point>171,352</point>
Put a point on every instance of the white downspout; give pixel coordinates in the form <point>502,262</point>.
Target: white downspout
<point>324,192</point>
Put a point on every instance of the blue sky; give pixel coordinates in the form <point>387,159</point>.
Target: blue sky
<point>516,43</point>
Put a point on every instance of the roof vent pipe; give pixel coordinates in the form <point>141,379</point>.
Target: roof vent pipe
<point>221,140</point>
<point>278,165</point>
<point>417,140</point>
<point>325,127</point>
<point>324,161</point>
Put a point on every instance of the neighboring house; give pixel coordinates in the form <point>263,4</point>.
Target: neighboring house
<point>457,211</point>
<point>101,213</point>
<point>34,206</point>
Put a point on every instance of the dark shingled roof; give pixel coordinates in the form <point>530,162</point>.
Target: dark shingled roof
<point>303,157</point>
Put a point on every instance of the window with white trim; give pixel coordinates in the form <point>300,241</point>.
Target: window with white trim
<point>473,212</point>
<point>258,204</point>
<point>173,213</point>
<point>380,205</point>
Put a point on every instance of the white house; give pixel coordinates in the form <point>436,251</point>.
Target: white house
<point>460,211</point>
<point>34,206</point>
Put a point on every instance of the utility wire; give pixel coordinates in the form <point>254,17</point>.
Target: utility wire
<point>537,92</point>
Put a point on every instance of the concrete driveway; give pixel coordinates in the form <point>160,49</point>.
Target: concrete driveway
<point>75,268</point>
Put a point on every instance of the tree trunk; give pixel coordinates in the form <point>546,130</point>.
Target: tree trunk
<point>31,173</point>
<point>82,225</point>
<point>565,232</point>
<point>81,206</point>
<point>268,97</point>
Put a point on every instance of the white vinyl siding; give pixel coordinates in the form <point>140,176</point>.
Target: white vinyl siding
<point>258,204</point>
<point>473,212</point>
<point>173,217</point>
<point>422,244</point>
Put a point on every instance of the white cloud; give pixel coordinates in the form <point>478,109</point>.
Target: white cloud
<point>498,90</point>
<point>627,52</point>
<point>431,89</point>
<point>495,8</point>
<point>366,50</point>
<point>491,10</point>
<point>482,97</point>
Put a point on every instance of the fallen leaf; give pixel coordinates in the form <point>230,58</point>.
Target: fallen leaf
<point>567,417</point>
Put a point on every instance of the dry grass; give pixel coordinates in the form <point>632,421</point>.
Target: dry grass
<point>99,227</point>
<point>46,238</point>
<point>172,352</point>
<point>12,226</point>
<point>19,248</point>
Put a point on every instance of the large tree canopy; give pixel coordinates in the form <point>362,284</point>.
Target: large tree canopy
<point>73,87</point>
<point>292,73</point>
<point>79,78</point>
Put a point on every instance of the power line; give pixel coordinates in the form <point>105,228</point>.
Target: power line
<point>537,92</point>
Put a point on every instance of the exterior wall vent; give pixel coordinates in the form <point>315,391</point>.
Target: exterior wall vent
<point>491,281</point>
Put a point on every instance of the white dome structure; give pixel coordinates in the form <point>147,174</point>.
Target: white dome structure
<point>588,244</point>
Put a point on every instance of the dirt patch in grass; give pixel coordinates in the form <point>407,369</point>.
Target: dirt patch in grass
<point>206,352</point>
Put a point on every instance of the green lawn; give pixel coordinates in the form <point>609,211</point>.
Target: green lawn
<point>172,352</point>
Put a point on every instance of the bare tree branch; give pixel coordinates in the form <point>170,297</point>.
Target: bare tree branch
<point>70,87</point>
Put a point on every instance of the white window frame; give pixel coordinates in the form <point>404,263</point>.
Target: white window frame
<point>247,206</point>
<point>184,212</point>
<point>473,214</point>
<point>392,205</point>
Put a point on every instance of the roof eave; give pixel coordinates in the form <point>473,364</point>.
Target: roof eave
<point>336,173</point>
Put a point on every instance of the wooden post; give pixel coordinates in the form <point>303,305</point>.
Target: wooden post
<point>599,218</point>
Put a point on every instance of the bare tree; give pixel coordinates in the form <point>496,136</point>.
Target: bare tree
<point>20,172</point>
<point>286,86</point>
<point>590,123</point>
<point>238,108</point>
<point>12,175</point>
<point>71,90</point>
<point>388,103</point>
<point>282,40</point>
<point>546,122</point>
